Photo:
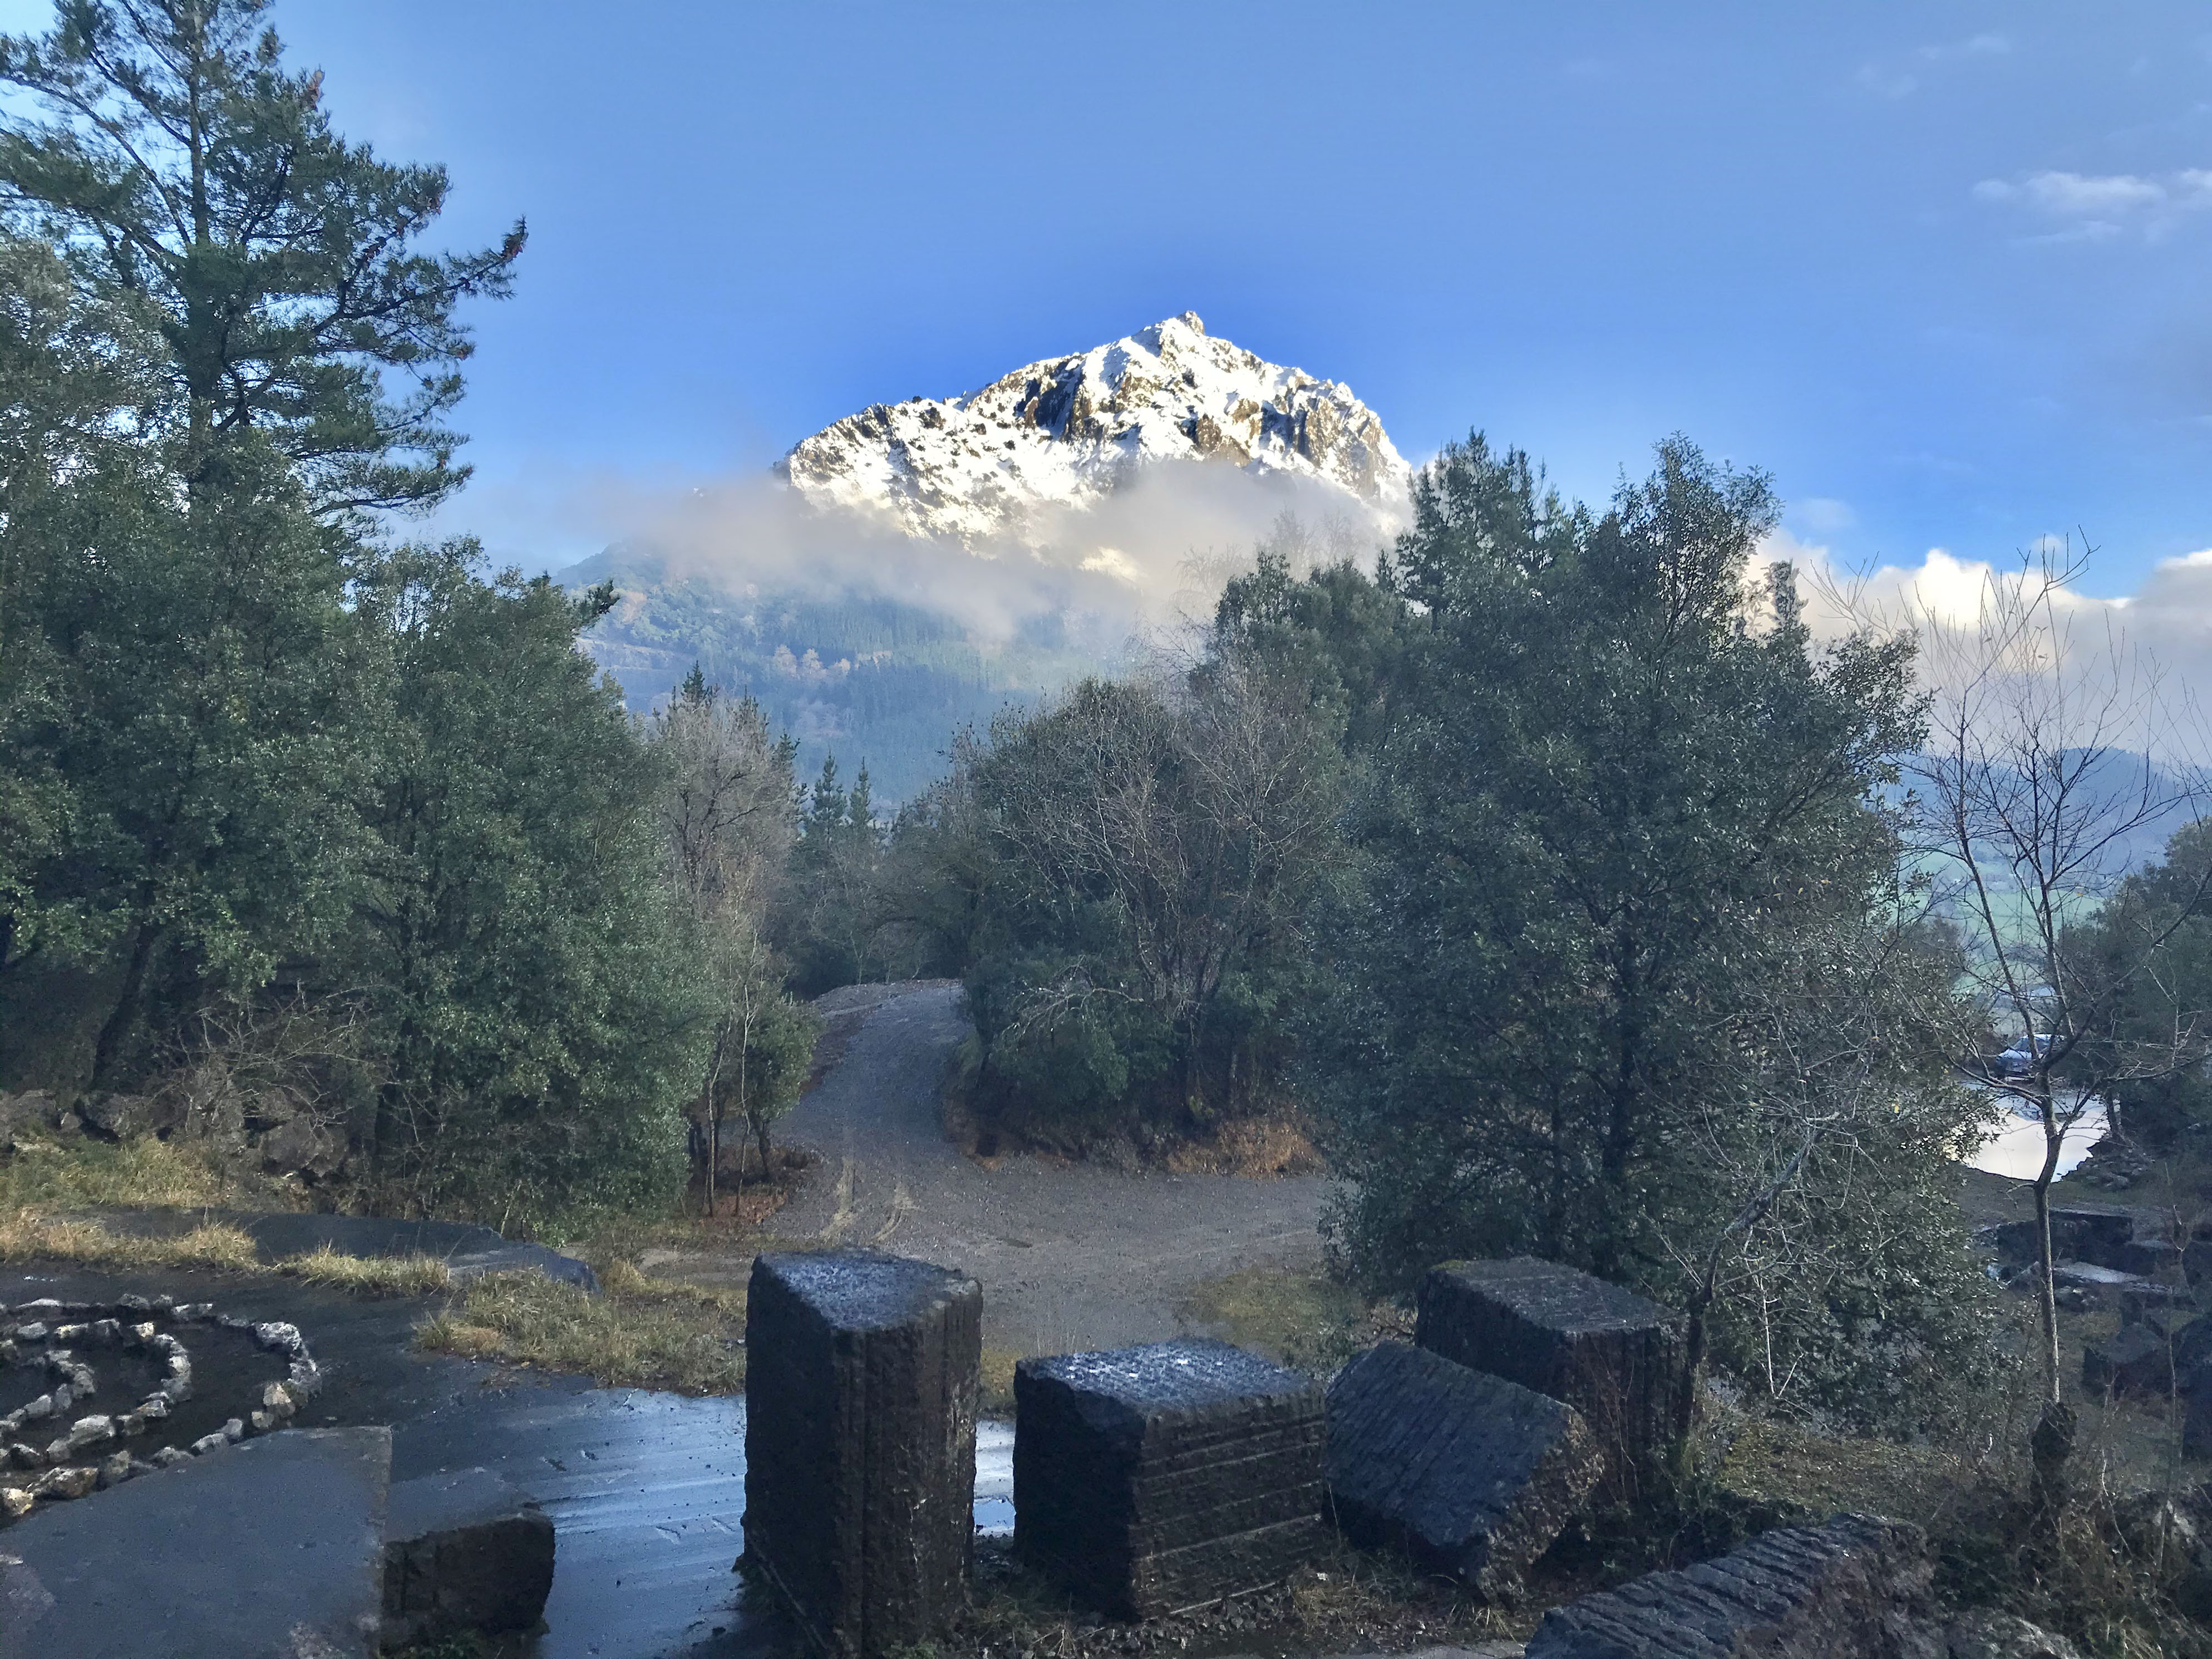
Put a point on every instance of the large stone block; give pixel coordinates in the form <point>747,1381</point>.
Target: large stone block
<point>1155,1478</point>
<point>1606,1351</point>
<point>862,1372</point>
<point>1470,1474</point>
<point>463,1550</point>
<point>2135,1363</point>
<point>1855,1589</point>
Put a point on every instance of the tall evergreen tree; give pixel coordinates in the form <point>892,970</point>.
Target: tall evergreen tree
<point>174,156</point>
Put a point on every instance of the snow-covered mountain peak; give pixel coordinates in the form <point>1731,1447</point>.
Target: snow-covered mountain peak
<point>1066,432</point>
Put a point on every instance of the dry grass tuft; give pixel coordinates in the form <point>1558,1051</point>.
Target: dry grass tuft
<point>81,1173</point>
<point>25,1235</point>
<point>638,1332</point>
<point>370,1276</point>
<point>998,1396</point>
<point>1255,1147</point>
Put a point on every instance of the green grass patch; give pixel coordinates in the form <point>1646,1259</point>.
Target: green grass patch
<point>1307,1320</point>
<point>370,1275</point>
<point>638,1332</point>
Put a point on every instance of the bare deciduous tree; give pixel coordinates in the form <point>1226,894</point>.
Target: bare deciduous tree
<point>2055,751</point>
<point>727,817</point>
<point>1203,814</point>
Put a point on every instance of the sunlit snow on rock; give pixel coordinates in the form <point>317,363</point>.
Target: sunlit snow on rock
<point>1066,431</point>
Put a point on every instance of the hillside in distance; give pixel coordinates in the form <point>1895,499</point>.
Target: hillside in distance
<point>873,679</point>
<point>917,567</point>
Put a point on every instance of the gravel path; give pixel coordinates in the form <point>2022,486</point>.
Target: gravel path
<point>1069,1255</point>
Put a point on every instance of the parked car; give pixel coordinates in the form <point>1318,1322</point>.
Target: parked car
<point>2020,1059</point>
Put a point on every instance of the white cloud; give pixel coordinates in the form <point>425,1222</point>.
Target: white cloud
<point>2162,633</point>
<point>1979,45</point>
<point>1896,78</point>
<point>2092,207</point>
<point>2074,194</point>
<point>1823,515</point>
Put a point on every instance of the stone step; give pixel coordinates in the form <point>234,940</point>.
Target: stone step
<point>271,1547</point>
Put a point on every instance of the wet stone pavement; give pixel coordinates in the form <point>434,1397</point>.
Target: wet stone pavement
<point>645,1490</point>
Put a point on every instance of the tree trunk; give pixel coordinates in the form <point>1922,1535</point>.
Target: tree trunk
<point>714,1131</point>
<point>2045,1263</point>
<point>117,1025</point>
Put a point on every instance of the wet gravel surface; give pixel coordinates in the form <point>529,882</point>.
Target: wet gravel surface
<point>1070,1255</point>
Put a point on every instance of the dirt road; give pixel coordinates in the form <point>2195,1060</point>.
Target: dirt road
<point>1069,1257</point>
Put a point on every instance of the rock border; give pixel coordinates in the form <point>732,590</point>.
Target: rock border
<point>131,1323</point>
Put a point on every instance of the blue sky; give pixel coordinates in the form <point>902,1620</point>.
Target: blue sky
<point>1941,267</point>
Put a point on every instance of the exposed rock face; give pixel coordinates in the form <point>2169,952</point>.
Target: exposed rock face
<point>1606,1351</point>
<point>1065,432</point>
<point>1855,1589</point>
<point>1155,1478</point>
<point>1470,1474</point>
<point>30,1112</point>
<point>2136,1362</point>
<point>123,1117</point>
<point>860,1442</point>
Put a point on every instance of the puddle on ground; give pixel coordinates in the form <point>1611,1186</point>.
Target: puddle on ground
<point>648,1493</point>
<point>2015,1148</point>
<point>994,1478</point>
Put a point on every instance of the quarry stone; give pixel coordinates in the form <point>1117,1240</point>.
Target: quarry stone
<point>861,1386</point>
<point>1156,1478</point>
<point>1855,1589</point>
<point>1471,1476</point>
<point>2135,1362</point>
<point>463,1550</point>
<point>1614,1356</point>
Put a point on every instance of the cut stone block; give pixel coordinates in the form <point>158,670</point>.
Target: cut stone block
<point>1855,1589</point>
<point>863,1371</point>
<point>463,1550</point>
<point>1469,1473</point>
<point>1156,1478</point>
<point>1606,1351</point>
<point>2136,1362</point>
<point>2197,1425</point>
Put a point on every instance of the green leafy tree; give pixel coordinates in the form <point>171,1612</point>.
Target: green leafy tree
<point>198,704</point>
<point>2162,996</point>
<point>166,148</point>
<point>67,368</point>
<point>1618,800</point>
<point>541,1031</point>
<point>832,918</point>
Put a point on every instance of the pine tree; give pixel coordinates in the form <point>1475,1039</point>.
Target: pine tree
<point>180,160</point>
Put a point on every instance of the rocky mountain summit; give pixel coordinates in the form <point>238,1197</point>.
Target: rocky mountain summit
<point>1064,433</point>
